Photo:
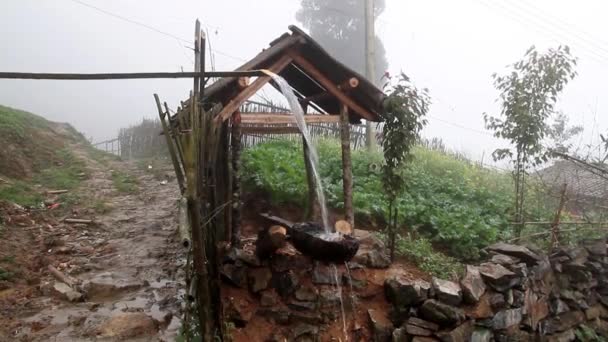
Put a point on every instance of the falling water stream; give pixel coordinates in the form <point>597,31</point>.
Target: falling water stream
<point>298,113</point>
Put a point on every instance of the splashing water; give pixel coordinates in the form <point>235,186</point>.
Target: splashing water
<point>298,113</point>
<point>313,158</point>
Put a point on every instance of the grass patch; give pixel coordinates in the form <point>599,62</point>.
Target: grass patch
<point>100,156</point>
<point>124,182</point>
<point>9,259</point>
<point>421,252</point>
<point>15,123</point>
<point>22,193</point>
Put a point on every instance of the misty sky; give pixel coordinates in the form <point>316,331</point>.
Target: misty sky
<point>451,47</point>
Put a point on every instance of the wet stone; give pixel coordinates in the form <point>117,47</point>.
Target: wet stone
<point>373,258</point>
<point>440,313</point>
<point>304,330</point>
<point>380,326</point>
<point>285,283</point>
<point>423,324</point>
<point>447,291</point>
<point>497,301</point>
<point>504,260</point>
<point>329,298</point>
<point>277,315</point>
<point>324,275</point>
<point>63,291</point>
<point>520,252</point>
<point>306,317</point>
<point>596,247</point>
<point>400,335</point>
<point>269,298</point>
<point>507,318</point>
<point>307,293</point>
<point>481,335</point>
<point>563,322</point>
<point>238,313</point>
<point>472,285</point>
<point>558,306</point>
<point>259,279</point>
<point>417,331</point>
<point>461,333</point>
<point>234,274</point>
<point>403,293</point>
<point>497,276</point>
<point>128,326</point>
<point>302,305</point>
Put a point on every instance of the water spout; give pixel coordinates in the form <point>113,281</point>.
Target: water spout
<point>298,113</point>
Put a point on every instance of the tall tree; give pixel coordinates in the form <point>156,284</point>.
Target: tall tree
<point>528,93</point>
<point>339,26</point>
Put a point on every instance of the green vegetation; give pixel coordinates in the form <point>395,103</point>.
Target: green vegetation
<point>421,252</point>
<point>6,275</point>
<point>124,182</point>
<point>15,123</point>
<point>458,206</point>
<point>66,176</point>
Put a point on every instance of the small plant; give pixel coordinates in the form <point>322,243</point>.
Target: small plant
<point>124,182</point>
<point>6,275</point>
<point>101,206</point>
<point>585,333</point>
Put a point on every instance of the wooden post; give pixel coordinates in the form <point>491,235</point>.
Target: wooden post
<point>555,224</point>
<point>347,167</point>
<point>235,143</point>
<point>178,170</point>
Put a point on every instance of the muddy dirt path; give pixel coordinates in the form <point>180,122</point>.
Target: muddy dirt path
<point>129,286</point>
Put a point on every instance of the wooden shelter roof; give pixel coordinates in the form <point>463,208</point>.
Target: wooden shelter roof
<point>303,53</point>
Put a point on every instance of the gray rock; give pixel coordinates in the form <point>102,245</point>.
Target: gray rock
<point>305,330</point>
<point>324,275</point>
<point>520,252</point>
<point>596,247</point>
<point>447,291</point>
<point>422,323</point>
<point>563,322</point>
<point>440,313</point>
<point>380,326</point>
<point>259,279</point>
<point>400,335</point>
<point>417,331</point>
<point>507,318</point>
<point>302,305</point>
<point>269,298</point>
<point>63,291</point>
<point>558,306</point>
<point>404,293</point>
<point>285,283</point>
<point>504,260</point>
<point>566,336</point>
<point>277,315</point>
<point>239,314</point>
<point>235,274</point>
<point>461,333</point>
<point>481,335</point>
<point>472,285</point>
<point>306,317</point>
<point>497,301</point>
<point>498,277</point>
<point>373,258</point>
<point>307,293</point>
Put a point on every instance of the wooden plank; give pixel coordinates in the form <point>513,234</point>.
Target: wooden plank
<point>126,75</point>
<point>270,130</point>
<point>286,118</point>
<point>331,87</point>
<point>246,93</point>
<point>346,86</point>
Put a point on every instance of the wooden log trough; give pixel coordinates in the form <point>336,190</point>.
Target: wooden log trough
<point>309,238</point>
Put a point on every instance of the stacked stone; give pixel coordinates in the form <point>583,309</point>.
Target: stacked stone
<point>292,290</point>
<point>517,295</point>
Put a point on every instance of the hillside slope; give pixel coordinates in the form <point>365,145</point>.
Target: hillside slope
<point>31,143</point>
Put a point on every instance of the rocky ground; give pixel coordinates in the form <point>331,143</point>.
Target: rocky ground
<point>120,269</point>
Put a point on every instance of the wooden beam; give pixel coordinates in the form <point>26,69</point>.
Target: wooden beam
<point>246,93</point>
<point>286,118</point>
<point>270,130</point>
<point>330,86</point>
<point>129,75</point>
<point>347,167</point>
<point>346,86</point>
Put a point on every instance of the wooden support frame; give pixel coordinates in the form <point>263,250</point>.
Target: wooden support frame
<point>345,86</point>
<point>347,167</point>
<point>250,90</point>
<point>330,86</point>
<point>286,118</point>
<point>270,130</point>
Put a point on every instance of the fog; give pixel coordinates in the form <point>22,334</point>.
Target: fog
<point>450,47</point>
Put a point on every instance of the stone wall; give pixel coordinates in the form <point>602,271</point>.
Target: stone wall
<point>517,295</point>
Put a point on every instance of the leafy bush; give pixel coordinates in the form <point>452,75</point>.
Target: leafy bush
<point>456,205</point>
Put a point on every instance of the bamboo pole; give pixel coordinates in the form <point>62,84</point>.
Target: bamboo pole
<point>126,76</point>
<point>555,225</point>
<point>178,170</point>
